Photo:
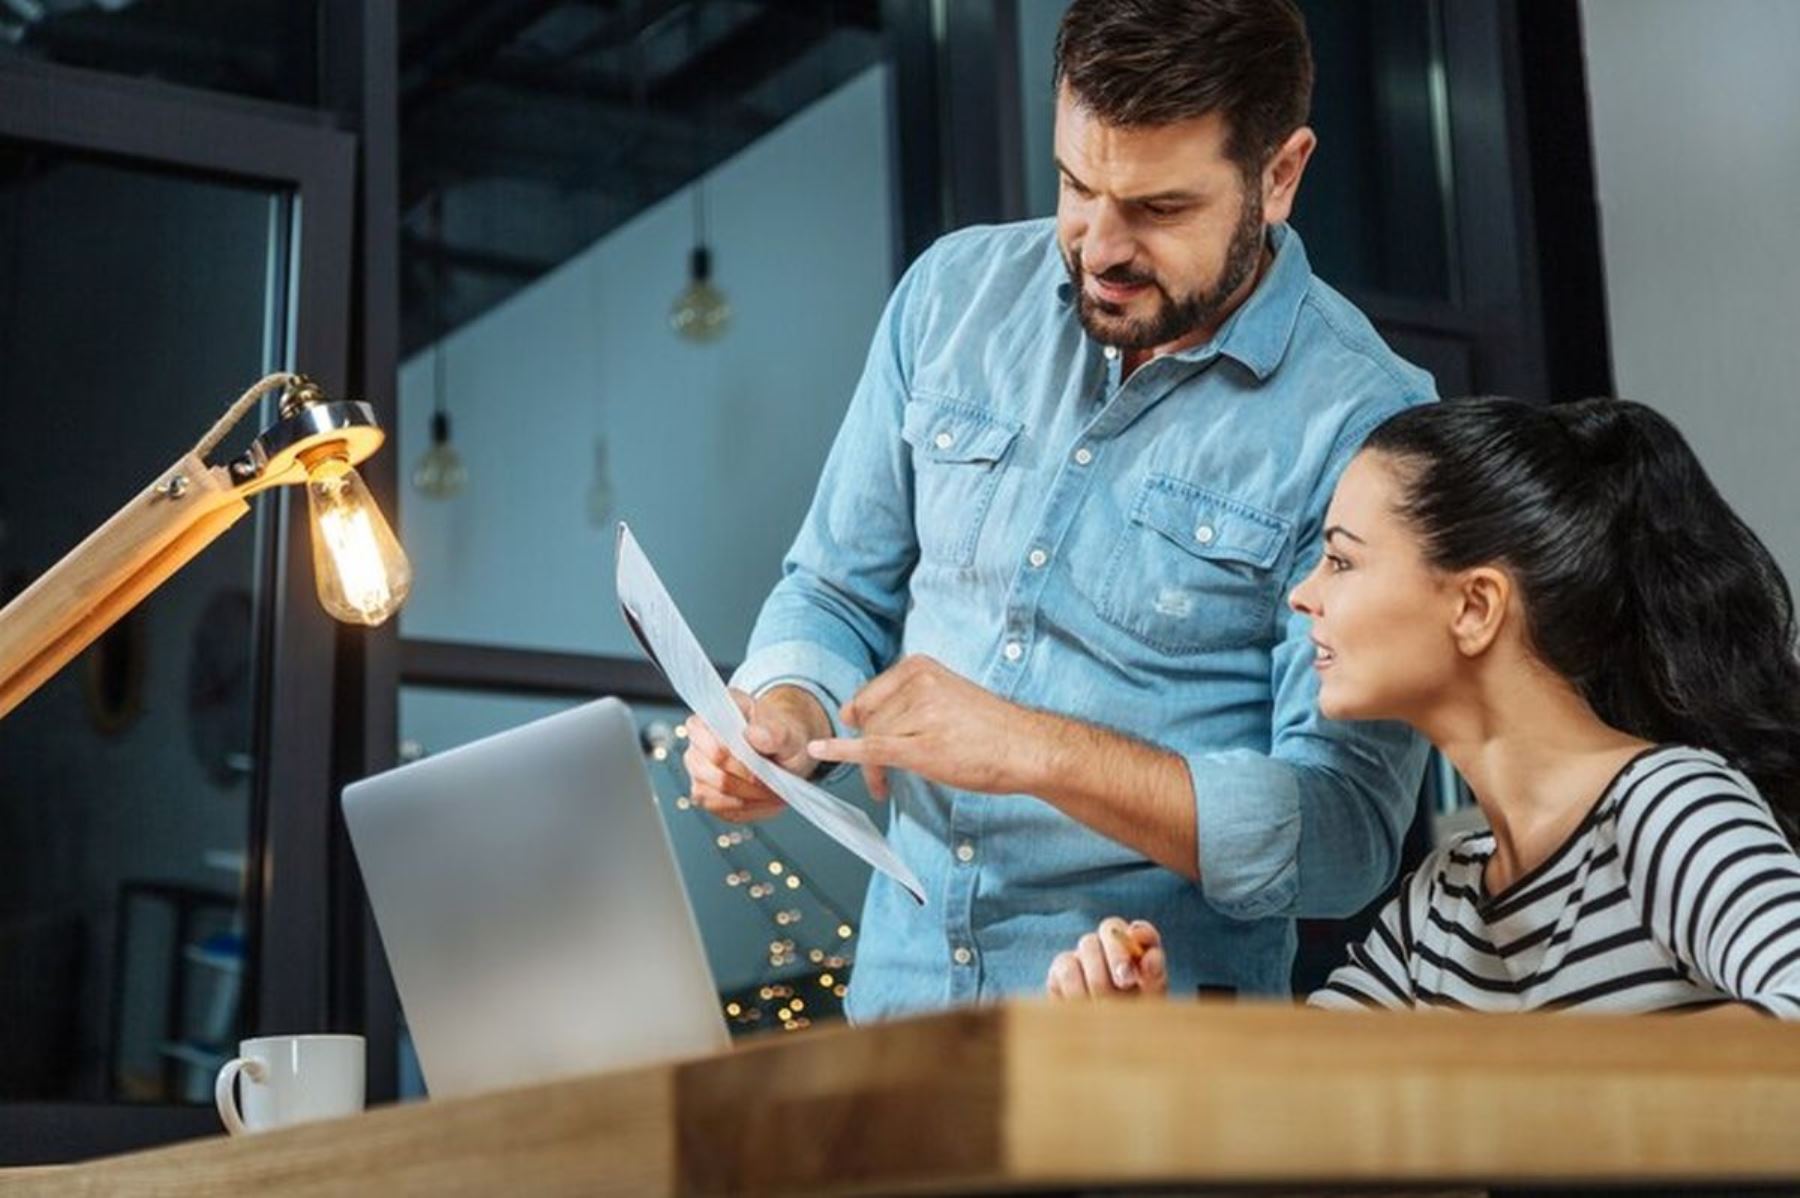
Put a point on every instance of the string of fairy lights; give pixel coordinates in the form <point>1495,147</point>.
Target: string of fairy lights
<point>758,868</point>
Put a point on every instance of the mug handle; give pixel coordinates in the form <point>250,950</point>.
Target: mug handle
<point>225,1097</point>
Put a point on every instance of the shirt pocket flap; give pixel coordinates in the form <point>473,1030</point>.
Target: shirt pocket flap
<point>1208,524</point>
<point>952,432</point>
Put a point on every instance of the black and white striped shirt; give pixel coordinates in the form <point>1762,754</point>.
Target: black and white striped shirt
<point>1677,890</point>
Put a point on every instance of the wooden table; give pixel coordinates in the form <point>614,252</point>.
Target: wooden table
<point>1032,1096</point>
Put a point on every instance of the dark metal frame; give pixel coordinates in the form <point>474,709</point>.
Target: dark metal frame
<point>1496,235</point>
<point>920,206</point>
<point>359,83</point>
<point>1566,205</point>
<point>162,127</point>
<point>452,665</point>
<point>1523,207</point>
<point>958,134</point>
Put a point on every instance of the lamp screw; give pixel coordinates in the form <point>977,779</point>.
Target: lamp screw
<point>244,469</point>
<point>175,488</point>
<point>302,392</point>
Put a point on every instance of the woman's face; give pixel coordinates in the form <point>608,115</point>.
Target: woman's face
<point>1381,614</point>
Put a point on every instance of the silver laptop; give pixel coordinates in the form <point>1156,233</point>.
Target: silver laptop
<point>531,907</point>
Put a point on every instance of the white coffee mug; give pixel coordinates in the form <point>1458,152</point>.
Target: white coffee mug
<point>291,1079</point>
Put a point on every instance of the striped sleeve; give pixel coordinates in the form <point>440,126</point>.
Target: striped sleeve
<point>1377,975</point>
<point>1715,881</point>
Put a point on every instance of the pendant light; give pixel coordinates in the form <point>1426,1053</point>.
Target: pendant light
<point>600,490</point>
<point>701,312</point>
<point>440,473</point>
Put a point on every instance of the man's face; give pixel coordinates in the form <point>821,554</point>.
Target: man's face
<point>1159,229</point>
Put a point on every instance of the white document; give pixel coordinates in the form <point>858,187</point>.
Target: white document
<point>672,648</point>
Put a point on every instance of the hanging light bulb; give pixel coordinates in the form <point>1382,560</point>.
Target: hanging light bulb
<point>360,570</point>
<point>600,493</point>
<point>701,312</point>
<point>439,473</point>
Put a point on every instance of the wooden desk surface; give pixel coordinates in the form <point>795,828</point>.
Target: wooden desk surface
<point>1047,1097</point>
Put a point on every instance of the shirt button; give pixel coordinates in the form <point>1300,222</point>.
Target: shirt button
<point>962,955</point>
<point>1204,534</point>
<point>1111,352</point>
<point>965,852</point>
<point>943,440</point>
<point>1014,651</point>
<point>1083,456</point>
<point>1037,558</point>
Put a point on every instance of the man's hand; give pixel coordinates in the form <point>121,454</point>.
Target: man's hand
<point>1115,960</point>
<point>780,724</point>
<point>921,717</point>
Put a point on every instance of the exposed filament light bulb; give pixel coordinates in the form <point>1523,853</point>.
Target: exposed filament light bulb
<point>440,473</point>
<point>358,566</point>
<point>701,312</point>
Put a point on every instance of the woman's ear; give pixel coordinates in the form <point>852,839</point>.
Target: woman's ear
<point>1483,603</point>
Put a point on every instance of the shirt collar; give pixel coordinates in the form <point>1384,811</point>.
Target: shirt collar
<point>1258,333</point>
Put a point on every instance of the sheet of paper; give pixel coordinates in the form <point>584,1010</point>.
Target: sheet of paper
<point>672,647</point>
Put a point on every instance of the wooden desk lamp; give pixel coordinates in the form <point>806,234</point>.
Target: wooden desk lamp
<point>361,573</point>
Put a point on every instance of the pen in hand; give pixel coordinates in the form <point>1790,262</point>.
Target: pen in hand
<point>1125,975</point>
<point>1126,941</point>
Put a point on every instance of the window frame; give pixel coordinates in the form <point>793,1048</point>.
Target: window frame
<point>155,126</point>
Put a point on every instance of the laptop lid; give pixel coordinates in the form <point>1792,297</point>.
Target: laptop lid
<point>531,907</point>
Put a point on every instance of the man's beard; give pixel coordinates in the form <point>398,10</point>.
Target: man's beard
<point>1174,318</point>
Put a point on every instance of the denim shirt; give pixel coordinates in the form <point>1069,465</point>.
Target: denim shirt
<point>1118,550</point>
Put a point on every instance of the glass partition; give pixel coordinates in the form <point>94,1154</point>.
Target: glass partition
<point>127,781</point>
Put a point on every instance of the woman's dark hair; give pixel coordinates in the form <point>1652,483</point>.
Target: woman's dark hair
<point>1640,585</point>
<point>1135,63</point>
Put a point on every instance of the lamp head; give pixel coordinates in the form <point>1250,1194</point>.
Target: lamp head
<point>360,570</point>
<point>309,422</point>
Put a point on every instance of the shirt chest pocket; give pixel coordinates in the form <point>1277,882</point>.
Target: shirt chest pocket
<point>1194,570</point>
<point>956,451</point>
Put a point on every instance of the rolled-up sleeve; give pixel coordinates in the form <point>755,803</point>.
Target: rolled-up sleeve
<point>834,620</point>
<point>1313,827</point>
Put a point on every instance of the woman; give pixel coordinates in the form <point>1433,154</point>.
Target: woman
<point>1559,599</point>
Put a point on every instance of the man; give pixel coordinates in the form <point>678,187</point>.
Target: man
<point>1084,465</point>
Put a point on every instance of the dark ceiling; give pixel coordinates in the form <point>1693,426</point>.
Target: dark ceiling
<point>529,128</point>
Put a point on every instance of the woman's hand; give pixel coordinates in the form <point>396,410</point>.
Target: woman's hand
<point>1115,960</point>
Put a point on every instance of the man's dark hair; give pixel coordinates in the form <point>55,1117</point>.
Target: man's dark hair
<point>1154,62</point>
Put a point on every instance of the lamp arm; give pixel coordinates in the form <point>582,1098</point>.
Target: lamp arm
<point>109,573</point>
